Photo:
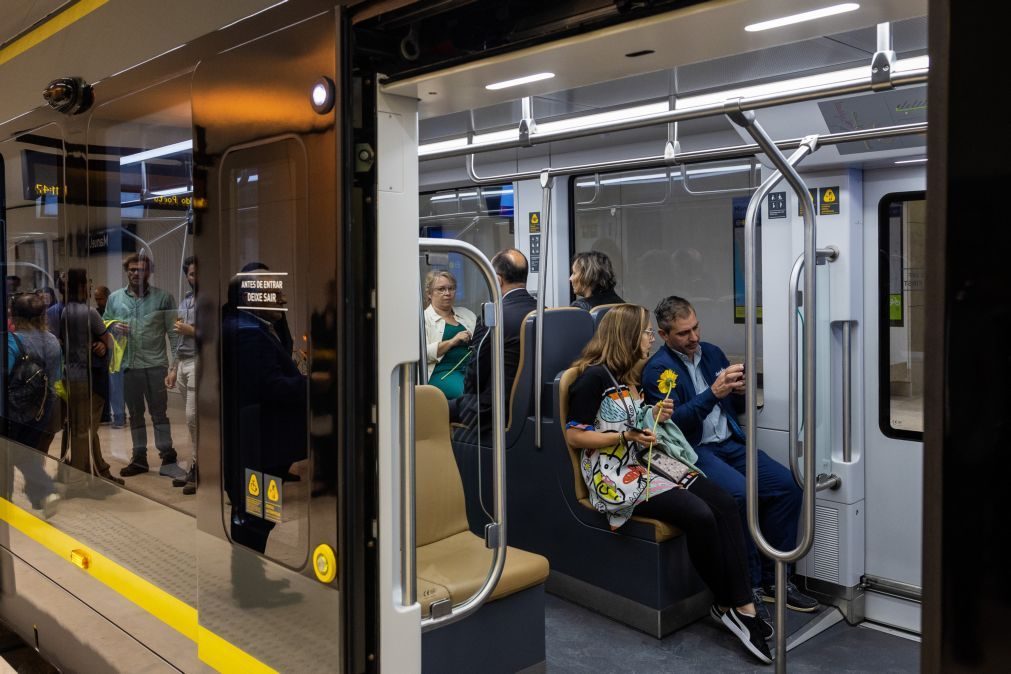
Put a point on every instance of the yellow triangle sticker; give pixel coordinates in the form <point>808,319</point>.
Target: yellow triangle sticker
<point>828,196</point>
<point>535,219</point>
<point>272,491</point>
<point>254,486</point>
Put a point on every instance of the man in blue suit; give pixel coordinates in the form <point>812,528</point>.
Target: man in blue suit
<point>708,395</point>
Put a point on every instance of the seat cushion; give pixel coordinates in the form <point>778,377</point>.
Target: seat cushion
<point>661,530</point>
<point>460,564</point>
<point>428,594</point>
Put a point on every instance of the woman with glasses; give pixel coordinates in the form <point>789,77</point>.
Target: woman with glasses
<point>447,332</point>
<point>612,430</point>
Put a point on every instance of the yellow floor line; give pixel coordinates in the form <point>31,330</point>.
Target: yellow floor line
<point>177,614</point>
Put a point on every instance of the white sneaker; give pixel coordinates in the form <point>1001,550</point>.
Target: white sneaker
<point>49,505</point>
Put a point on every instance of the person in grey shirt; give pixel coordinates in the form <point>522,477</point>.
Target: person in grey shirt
<point>146,315</point>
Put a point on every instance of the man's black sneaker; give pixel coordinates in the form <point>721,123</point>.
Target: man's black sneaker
<point>173,470</point>
<point>133,469</point>
<point>716,613</point>
<point>795,599</point>
<point>763,614</point>
<point>748,630</point>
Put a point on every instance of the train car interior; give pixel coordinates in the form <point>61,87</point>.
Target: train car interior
<point>380,488</point>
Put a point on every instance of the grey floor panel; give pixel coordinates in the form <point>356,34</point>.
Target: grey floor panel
<point>581,641</point>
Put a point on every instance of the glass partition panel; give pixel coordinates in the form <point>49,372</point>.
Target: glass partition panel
<point>902,227</point>
<point>665,238</point>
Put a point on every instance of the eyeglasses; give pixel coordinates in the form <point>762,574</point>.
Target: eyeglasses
<point>649,333</point>
<point>446,290</point>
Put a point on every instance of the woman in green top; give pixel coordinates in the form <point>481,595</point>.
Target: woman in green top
<point>447,332</point>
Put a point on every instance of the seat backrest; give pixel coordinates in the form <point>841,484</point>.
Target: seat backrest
<point>568,377</point>
<point>440,507</point>
<point>598,312</point>
<point>519,401</point>
<point>566,331</point>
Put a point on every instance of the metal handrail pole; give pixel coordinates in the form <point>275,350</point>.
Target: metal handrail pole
<point>823,481</point>
<point>423,360</point>
<point>547,182</point>
<point>498,549</point>
<point>693,157</point>
<point>408,524</point>
<point>749,103</point>
<point>847,391</point>
<point>785,167</point>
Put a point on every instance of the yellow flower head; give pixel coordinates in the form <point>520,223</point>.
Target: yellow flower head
<point>668,380</point>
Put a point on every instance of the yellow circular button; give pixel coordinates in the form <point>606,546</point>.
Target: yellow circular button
<point>324,563</point>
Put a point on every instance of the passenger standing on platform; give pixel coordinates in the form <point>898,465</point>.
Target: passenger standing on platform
<point>608,422</point>
<point>30,407</point>
<point>709,395</point>
<point>86,342</point>
<point>593,280</point>
<point>184,368</point>
<point>475,404</point>
<point>146,315</point>
<point>448,329</point>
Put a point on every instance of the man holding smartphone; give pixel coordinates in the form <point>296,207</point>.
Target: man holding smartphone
<point>708,395</point>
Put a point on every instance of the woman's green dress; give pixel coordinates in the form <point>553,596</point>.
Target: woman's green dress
<point>448,372</point>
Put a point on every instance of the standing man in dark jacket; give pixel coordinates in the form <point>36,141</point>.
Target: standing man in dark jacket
<point>708,394</point>
<point>511,268</point>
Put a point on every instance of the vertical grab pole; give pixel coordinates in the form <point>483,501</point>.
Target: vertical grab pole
<point>542,284</point>
<point>423,361</point>
<point>408,556</point>
<point>847,391</point>
<point>786,167</point>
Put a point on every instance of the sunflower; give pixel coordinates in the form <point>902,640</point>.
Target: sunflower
<point>668,380</point>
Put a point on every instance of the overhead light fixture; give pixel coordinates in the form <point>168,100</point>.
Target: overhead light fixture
<point>174,148</point>
<point>519,80</point>
<point>803,16</point>
<point>921,160</point>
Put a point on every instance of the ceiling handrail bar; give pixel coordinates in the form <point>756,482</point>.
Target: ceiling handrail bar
<point>748,103</point>
<point>696,156</point>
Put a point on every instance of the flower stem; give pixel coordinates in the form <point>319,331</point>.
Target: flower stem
<point>649,452</point>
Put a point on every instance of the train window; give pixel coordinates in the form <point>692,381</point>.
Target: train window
<point>132,249</point>
<point>902,219</point>
<point>264,346</point>
<point>665,238</point>
<point>481,216</point>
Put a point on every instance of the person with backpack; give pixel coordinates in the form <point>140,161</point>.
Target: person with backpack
<point>34,367</point>
<point>86,344</point>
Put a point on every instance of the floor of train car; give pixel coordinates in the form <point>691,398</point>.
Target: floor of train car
<point>580,641</point>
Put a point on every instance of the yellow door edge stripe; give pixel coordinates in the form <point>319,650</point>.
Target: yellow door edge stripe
<point>224,657</point>
<point>74,13</point>
<point>177,614</point>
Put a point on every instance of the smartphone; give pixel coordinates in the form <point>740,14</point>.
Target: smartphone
<point>630,427</point>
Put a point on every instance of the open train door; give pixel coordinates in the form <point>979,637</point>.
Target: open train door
<point>282,435</point>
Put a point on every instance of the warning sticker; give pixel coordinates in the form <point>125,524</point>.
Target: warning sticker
<point>274,503</point>
<point>800,202</point>
<point>828,204</point>
<point>535,222</point>
<point>254,492</point>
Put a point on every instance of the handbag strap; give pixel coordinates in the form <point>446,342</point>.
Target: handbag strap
<point>617,387</point>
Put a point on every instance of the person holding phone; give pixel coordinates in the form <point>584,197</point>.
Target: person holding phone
<point>707,399</point>
<point>605,426</point>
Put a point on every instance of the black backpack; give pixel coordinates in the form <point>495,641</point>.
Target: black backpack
<point>27,386</point>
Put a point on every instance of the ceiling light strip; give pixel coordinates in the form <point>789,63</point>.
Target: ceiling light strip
<point>802,17</point>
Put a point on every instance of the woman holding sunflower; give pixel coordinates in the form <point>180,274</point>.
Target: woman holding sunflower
<point>609,424</point>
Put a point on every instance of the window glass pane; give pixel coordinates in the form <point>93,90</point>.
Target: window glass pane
<point>666,238</point>
<point>902,300</point>
<point>264,339</point>
<point>481,216</point>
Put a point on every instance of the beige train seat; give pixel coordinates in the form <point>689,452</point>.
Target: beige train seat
<point>662,530</point>
<point>452,561</point>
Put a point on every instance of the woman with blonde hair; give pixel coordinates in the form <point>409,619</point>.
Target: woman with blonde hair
<point>612,428</point>
<point>448,329</point>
